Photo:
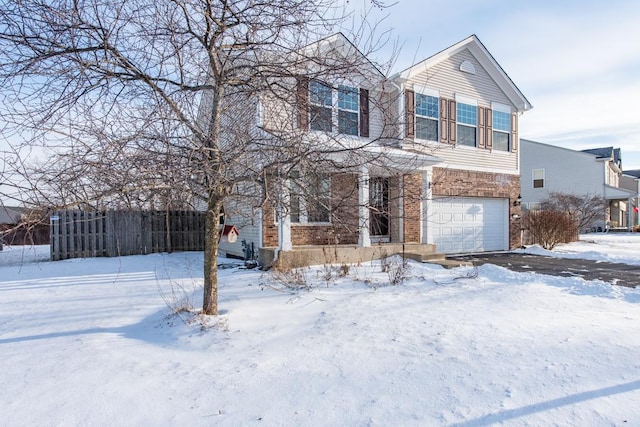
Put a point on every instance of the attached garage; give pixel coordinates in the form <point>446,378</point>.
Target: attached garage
<point>462,225</point>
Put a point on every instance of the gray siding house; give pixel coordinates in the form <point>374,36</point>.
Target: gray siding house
<point>547,168</point>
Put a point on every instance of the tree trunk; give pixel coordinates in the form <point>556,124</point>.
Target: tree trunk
<point>211,243</point>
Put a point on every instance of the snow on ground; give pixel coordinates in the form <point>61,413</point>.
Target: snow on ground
<point>92,342</point>
<point>611,247</point>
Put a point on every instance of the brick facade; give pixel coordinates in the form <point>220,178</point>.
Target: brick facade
<point>445,182</point>
<point>462,183</point>
<point>412,187</point>
<point>344,218</point>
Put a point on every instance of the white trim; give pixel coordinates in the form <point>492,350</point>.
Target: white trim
<point>501,107</point>
<point>485,60</point>
<point>533,178</point>
<point>466,100</point>
<point>467,67</point>
<point>427,91</point>
<point>364,237</point>
<point>434,94</point>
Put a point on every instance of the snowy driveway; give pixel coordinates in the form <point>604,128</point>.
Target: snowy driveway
<point>614,273</point>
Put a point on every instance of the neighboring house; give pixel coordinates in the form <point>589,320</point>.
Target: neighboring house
<point>22,226</point>
<point>445,174</point>
<point>597,172</point>
<point>630,180</point>
<point>10,217</point>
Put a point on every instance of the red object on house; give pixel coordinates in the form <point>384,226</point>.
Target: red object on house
<point>635,209</point>
<point>230,233</point>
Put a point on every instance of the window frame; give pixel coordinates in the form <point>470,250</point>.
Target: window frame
<point>338,114</point>
<point>462,102</point>
<point>299,188</point>
<point>343,108</point>
<point>427,94</point>
<point>540,180</point>
<point>504,112</point>
<point>320,106</point>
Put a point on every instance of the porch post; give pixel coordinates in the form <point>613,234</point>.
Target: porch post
<point>284,219</point>
<point>364,238</point>
<point>630,213</point>
<point>425,205</point>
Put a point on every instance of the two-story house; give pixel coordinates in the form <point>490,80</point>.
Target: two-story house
<point>594,172</point>
<point>437,164</point>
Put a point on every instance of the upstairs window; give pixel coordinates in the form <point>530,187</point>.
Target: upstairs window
<point>320,106</point>
<point>426,117</point>
<point>467,124</point>
<point>501,130</point>
<point>348,108</point>
<point>538,178</point>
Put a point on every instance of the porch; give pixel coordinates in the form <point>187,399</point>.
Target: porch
<point>302,256</point>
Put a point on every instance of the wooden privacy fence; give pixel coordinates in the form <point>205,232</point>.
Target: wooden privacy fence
<point>82,234</point>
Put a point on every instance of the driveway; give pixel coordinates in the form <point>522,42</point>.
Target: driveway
<point>616,274</point>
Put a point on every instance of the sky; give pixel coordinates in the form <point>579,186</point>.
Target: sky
<point>577,62</point>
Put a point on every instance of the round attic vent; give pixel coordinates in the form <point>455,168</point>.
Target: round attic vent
<point>467,67</point>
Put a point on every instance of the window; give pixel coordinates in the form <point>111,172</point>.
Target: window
<point>467,124</point>
<point>310,199</point>
<point>320,107</point>
<point>348,110</point>
<point>501,130</point>
<point>538,178</point>
<point>426,117</point>
<point>346,106</point>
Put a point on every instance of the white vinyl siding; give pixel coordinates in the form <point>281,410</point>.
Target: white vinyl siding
<point>447,77</point>
<point>450,81</point>
<point>245,213</point>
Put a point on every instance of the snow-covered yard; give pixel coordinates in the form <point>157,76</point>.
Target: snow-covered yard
<point>91,342</point>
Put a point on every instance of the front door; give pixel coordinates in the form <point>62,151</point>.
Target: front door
<point>379,209</point>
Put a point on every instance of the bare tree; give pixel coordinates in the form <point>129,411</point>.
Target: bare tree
<point>583,209</point>
<point>149,103</point>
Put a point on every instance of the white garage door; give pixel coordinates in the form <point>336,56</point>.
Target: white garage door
<point>459,225</point>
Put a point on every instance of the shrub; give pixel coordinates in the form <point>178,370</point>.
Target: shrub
<point>550,227</point>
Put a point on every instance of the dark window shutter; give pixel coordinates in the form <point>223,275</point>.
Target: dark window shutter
<point>489,141</point>
<point>452,121</point>
<point>302,102</point>
<point>514,132</point>
<point>364,112</point>
<point>410,113</point>
<point>444,121</point>
<point>482,127</point>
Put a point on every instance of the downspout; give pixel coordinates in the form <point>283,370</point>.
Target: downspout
<point>401,113</point>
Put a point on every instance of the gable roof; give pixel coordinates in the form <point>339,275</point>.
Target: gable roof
<point>339,41</point>
<point>634,173</point>
<point>482,55</point>
<point>10,214</point>
<point>606,153</point>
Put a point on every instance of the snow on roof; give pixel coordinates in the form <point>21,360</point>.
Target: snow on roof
<point>10,214</point>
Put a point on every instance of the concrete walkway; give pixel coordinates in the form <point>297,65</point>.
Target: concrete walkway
<point>616,274</point>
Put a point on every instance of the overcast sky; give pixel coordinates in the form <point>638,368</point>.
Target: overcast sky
<point>577,62</point>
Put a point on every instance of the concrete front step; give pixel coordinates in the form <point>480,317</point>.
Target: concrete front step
<point>437,258</point>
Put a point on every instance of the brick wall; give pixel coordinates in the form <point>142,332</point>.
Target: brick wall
<point>344,218</point>
<point>269,225</point>
<point>412,185</point>
<point>461,183</point>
